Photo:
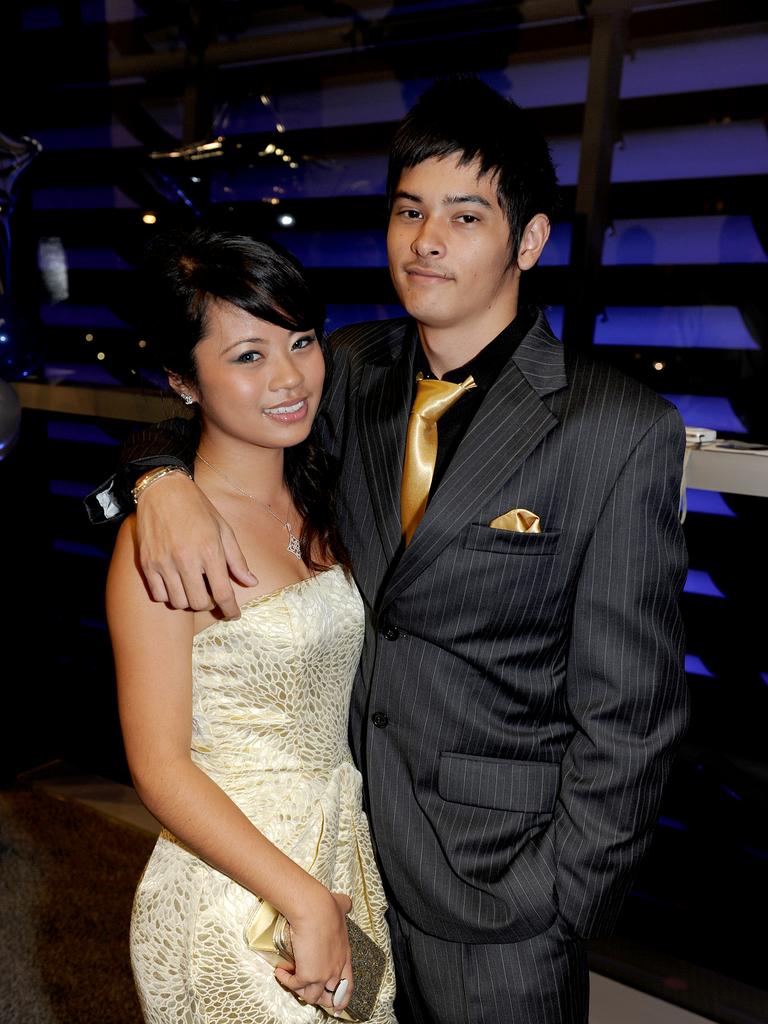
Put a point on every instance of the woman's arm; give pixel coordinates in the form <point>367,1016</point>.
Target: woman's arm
<point>152,647</point>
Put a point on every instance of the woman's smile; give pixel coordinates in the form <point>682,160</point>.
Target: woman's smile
<point>288,413</point>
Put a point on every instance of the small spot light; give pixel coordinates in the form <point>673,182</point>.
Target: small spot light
<point>270,148</point>
<point>3,339</point>
<point>279,127</point>
<point>287,220</point>
<point>264,100</point>
<point>658,365</point>
<point>149,217</point>
<point>274,200</point>
<point>142,343</point>
<point>279,152</point>
<point>293,165</point>
<point>100,355</point>
<point>286,158</point>
<point>89,337</point>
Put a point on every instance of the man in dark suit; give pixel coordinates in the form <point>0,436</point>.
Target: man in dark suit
<point>522,689</point>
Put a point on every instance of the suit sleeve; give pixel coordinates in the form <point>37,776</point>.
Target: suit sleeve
<point>170,443</point>
<point>332,419</point>
<point>625,683</point>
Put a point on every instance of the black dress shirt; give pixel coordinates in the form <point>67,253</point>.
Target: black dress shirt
<point>485,367</point>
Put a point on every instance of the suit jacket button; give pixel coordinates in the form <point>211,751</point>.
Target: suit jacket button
<point>391,633</point>
<point>380,720</point>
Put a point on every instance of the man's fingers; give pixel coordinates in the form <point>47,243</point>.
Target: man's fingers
<point>196,591</point>
<point>236,562</point>
<point>222,593</point>
<point>157,587</point>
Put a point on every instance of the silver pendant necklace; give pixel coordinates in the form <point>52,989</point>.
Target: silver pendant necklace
<point>294,546</point>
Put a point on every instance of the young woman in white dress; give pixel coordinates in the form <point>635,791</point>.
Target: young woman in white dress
<point>236,731</point>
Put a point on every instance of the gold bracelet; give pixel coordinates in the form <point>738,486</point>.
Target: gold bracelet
<point>152,476</point>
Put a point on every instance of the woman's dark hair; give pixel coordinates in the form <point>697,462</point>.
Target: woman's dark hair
<point>183,272</point>
<point>465,117</point>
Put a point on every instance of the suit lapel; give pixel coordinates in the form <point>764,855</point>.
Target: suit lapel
<point>511,422</point>
<point>382,417</point>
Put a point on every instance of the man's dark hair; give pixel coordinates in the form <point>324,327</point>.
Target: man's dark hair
<point>464,116</point>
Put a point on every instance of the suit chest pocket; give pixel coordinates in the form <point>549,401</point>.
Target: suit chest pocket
<point>480,537</point>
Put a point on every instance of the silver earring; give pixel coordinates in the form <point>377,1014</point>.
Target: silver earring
<point>186,399</point>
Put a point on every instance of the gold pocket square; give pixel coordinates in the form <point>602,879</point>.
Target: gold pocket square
<point>518,520</point>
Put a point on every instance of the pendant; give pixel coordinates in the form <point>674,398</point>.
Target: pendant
<point>293,544</point>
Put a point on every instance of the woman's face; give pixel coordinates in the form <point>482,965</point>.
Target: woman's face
<point>256,382</point>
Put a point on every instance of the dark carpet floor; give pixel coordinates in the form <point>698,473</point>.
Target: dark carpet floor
<point>67,878</point>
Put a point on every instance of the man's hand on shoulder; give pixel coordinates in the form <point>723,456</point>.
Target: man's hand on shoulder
<point>188,553</point>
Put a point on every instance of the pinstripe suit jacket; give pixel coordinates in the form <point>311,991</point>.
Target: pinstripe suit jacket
<point>515,731</point>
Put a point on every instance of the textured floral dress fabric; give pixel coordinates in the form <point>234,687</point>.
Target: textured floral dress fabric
<point>270,703</point>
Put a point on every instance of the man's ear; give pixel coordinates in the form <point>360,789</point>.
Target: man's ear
<point>533,241</point>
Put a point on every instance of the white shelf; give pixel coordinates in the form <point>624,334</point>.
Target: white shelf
<point>711,468</point>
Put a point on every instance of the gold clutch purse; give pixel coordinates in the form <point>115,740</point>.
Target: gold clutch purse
<point>269,934</point>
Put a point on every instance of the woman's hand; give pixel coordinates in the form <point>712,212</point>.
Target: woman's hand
<point>321,952</point>
<point>187,551</point>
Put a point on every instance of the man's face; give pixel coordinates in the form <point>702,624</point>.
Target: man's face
<point>448,249</point>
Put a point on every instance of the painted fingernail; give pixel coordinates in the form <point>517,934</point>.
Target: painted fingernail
<point>340,992</point>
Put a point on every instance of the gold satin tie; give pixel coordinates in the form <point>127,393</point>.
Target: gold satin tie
<point>433,398</point>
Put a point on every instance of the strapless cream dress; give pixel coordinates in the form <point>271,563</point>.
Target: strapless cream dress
<point>270,702</point>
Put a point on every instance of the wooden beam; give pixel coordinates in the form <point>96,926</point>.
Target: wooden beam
<point>360,34</point>
<point>609,35</point>
<point>106,403</point>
